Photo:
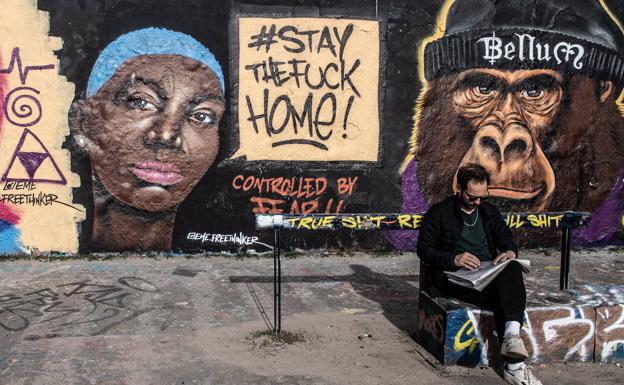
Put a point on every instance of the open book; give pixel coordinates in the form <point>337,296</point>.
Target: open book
<point>481,277</point>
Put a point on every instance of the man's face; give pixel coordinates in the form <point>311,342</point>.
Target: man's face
<point>153,129</point>
<point>474,193</point>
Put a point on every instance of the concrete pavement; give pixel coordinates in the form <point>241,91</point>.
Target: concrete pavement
<point>179,320</point>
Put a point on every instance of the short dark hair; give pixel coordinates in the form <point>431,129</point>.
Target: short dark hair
<point>470,172</point>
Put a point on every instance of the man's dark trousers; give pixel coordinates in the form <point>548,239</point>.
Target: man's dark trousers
<point>505,295</point>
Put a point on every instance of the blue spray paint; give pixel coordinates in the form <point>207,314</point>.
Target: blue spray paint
<point>9,238</point>
<point>148,41</point>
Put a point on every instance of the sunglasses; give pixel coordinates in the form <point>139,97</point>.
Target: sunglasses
<point>473,198</point>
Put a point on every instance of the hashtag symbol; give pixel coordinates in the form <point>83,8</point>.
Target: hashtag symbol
<point>263,38</point>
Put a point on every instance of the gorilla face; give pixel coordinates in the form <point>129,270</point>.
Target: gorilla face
<point>547,141</point>
<point>509,112</point>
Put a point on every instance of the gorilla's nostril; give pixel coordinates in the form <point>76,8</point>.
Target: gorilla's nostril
<point>489,144</point>
<point>515,149</point>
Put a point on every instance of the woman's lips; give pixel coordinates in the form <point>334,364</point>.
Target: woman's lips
<point>164,174</point>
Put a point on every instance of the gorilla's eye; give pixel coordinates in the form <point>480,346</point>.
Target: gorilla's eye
<point>203,116</point>
<point>480,85</point>
<point>138,103</point>
<point>485,90</point>
<point>537,87</point>
<point>533,93</point>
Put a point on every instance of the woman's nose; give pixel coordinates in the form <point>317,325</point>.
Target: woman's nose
<point>165,132</point>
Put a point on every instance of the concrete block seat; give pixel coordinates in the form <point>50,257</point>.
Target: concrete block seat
<point>584,324</point>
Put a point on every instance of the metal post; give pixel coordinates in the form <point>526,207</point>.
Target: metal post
<point>274,280</point>
<point>564,267</point>
<point>277,283</point>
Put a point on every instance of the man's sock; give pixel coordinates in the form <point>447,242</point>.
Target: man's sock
<point>512,328</point>
<point>514,366</point>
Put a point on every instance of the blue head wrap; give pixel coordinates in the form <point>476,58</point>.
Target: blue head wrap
<point>148,41</point>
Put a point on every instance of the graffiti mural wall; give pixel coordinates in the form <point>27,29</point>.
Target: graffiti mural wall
<point>534,96</point>
<point>128,125</point>
<point>37,211</point>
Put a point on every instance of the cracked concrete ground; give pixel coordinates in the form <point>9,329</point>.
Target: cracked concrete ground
<point>192,321</point>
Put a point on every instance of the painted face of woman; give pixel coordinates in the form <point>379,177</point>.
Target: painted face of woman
<point>152,129</point>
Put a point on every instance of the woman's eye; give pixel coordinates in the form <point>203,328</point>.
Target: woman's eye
<point>533,93</point>
<point>141,104</point>
<point>203,117</point>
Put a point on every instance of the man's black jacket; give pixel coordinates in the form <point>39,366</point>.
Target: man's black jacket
<point>440,231</point>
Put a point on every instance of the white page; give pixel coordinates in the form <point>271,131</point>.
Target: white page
<point>481,277</point>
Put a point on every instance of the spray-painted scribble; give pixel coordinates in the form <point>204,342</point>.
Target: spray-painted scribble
<point>31,161</point>
<point>34,100</point>
<point>100,306</point>
<point>295,195</point>
<point>583,332</point>
<point>610,333</point>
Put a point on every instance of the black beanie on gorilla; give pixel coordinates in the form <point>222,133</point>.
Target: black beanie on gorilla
<point>569,36</point>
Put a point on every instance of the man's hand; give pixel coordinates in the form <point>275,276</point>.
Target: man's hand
<point>467,261</point>
<point>506,256</point>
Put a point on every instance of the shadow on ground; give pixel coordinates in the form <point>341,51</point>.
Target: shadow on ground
<point>396,296</point>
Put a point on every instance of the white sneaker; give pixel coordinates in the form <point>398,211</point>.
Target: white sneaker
<point>522,376</point>
<point>513,347</point>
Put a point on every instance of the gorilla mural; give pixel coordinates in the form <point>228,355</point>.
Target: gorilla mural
<point>532,93</point>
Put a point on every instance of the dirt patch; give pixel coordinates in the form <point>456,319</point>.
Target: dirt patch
<point>269,339</point>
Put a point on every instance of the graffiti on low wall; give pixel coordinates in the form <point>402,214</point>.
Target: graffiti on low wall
<point>398,221</point>
<point>610,333</point>
<point>557,333</point>
<point>535,220</point>
<point>355,222</point>
<point>597,295</point>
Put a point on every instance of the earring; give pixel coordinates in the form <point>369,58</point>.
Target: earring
<point>80,140</point>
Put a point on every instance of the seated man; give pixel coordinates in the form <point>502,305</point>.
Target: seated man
<point>460,232</point>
